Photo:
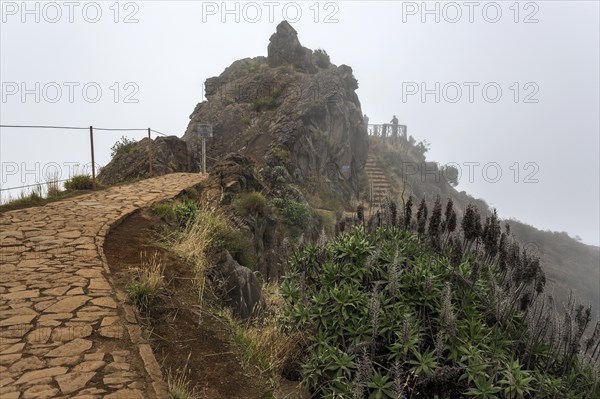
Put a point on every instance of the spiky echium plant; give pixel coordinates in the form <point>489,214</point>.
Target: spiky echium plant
<point>360,213</point>
<point>541,323</point>
<point>374,311</point>
<point>491,236</point>
<point>435,221</point>
<point>591,349</point>
<point>456,256</point>
<point>394,213</point>
<point>364,372</point>
<point>471,226</point>
<point>500,261</point>
<point>422,217</point>
<point>495,315</point>
<point>447,311</point>
<point>475,271</point>
<point>399,381</point>
<point>449,223</point>
<point>440,343</point>
<point>386,216</point>
<point>394,275</point>
<point>407,220</point>
<point>390,212</point>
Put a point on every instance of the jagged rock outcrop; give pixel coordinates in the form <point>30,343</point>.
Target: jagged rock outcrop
<point>285,48</point>
<point>234,175</point>
<point>293,108</point>
<point>169,154</point>
<point>238,286</point>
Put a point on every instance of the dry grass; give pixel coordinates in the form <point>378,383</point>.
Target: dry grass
<point>264,345</point>
<point>52,185</point>
<point>198,239</point>
<point>148,284</point>
<point>179,384</point>
<point>25,198</point>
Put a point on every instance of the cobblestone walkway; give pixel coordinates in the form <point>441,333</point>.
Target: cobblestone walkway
<point>64,332</point>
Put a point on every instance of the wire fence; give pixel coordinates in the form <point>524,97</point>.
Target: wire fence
<point>91,130</point>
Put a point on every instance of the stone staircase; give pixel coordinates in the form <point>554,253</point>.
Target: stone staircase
<point>377,181</point>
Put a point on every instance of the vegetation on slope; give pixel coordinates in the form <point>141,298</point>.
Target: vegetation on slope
<point>394,313</point>
<point>569,265</point>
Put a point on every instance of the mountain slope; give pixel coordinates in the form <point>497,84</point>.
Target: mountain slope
<point>568,264</point>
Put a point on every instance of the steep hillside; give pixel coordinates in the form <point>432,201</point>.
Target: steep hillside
<point>568,264</point>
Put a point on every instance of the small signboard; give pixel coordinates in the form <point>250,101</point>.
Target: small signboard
<point>204,130</point>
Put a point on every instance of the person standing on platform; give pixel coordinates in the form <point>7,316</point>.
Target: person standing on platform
<point>395,127</point>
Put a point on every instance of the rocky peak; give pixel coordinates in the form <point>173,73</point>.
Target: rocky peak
<point>292,109</point>
<point>285,48</point>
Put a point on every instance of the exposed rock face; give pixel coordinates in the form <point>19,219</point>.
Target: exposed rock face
<point>169,154</point>
<point>239,287</point>
<point>293,109</point>
<point>285,48</point>
<point>234,173</point>
<point>232,176</point>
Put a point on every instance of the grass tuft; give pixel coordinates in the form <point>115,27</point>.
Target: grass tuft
<point>149,283</point>
<point>53,185</point>
<point>179,385</point>
<point>79,182</point>
<point>264,345</point>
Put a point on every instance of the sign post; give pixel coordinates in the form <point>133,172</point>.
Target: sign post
<point>204,130</point>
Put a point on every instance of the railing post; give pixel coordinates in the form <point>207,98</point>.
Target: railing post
<point>203,155</point>
<point>150,152</point>
<point>93,161</point>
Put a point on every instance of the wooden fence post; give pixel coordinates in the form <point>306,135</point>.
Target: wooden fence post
<point>150,152</point>
<point>93,161</point>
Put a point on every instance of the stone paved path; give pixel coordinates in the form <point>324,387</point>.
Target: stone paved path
<point>64,332</point>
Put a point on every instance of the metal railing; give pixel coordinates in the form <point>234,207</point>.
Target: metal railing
<point>392,130</point>
<point>91,131</point>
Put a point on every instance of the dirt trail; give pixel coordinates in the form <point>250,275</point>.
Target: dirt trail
<point>179,330</point>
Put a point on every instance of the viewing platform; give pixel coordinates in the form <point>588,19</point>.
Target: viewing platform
<point>387,130</point>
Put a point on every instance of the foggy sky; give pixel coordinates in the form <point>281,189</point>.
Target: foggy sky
<point>391,46</point>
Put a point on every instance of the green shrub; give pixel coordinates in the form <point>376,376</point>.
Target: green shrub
<point>322,58</point>
<point>240,245</point>
<point>282,154</point>
<point>185,212</point>
<point>123,146</point>
<point>328,220</point>
<point>264,104</point>
<point>389,317</point>
<point>250,203</point>
<point>269,102</point>
<point>192,193</point>
<point>294,213</point>
<point>164,210</point>
<point>79,182</point>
